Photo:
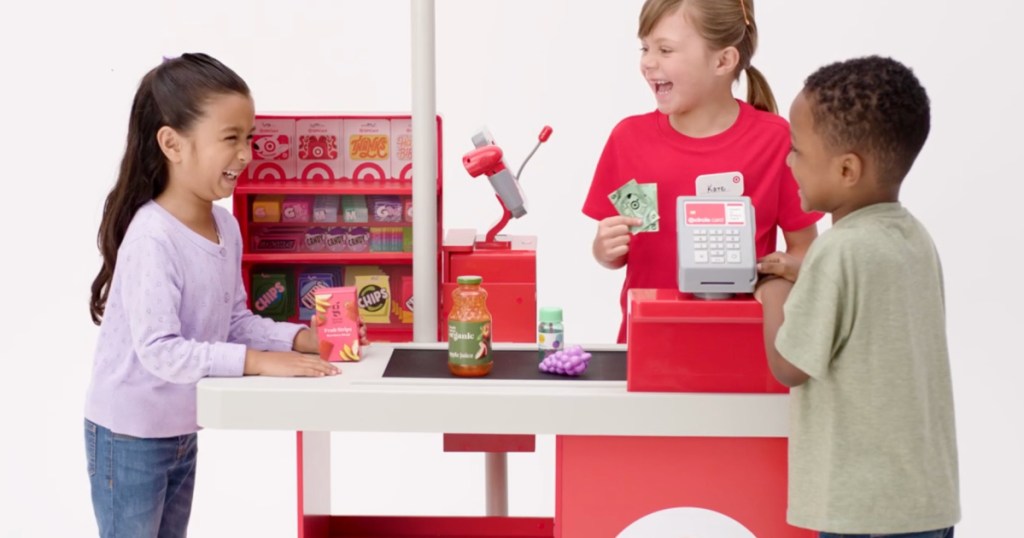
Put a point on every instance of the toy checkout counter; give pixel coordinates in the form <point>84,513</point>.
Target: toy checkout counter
<point>681,432</point>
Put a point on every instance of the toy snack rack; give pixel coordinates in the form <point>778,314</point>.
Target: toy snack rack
<point>327,201</point>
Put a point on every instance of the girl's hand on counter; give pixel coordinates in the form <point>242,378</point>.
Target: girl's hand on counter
<point>287,364</point>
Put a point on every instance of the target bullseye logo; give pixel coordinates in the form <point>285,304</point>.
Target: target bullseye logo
<point>686,522</point>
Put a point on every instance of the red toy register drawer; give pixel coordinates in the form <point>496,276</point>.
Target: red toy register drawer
<point>680,343</point>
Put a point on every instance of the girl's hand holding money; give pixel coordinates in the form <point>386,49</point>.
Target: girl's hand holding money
<point>611,245</point>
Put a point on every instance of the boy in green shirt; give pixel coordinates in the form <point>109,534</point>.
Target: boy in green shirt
<point>858,330</point>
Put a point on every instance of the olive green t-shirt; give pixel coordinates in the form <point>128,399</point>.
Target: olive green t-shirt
<point>872,445</point>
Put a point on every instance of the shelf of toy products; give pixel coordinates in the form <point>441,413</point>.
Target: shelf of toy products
<point>275,186</point>
<point>327,201</point>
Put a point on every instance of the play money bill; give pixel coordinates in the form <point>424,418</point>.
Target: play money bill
<point>651,191</point>
<point>631,201</point>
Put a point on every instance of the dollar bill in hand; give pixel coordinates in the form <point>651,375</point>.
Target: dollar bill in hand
<point>651,190</point>
<point>631,201</point>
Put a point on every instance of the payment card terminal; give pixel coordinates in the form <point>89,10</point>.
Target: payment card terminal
<point>716,245</point>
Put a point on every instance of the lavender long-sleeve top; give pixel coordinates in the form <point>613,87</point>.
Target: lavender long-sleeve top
<point>176,313</point>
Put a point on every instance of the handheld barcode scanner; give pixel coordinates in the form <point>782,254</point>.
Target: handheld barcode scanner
<point>488,159</point>
<point>716,253</point>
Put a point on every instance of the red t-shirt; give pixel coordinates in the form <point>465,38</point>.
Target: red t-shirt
<point>646,148</point>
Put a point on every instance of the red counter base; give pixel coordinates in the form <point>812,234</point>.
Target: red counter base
<point>434,527</point>
<point>604,484</point>
<point>314,499</point>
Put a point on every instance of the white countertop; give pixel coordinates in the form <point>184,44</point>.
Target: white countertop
<point>361,400</point>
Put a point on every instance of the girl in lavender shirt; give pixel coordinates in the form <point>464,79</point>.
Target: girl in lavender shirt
<point>169,298</point>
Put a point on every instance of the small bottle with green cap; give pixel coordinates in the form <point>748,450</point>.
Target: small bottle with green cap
<point>550,333</point>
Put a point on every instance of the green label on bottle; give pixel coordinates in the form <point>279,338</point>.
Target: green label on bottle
<point>469,343</point>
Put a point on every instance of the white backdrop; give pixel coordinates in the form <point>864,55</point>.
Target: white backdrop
<point>70,70</point>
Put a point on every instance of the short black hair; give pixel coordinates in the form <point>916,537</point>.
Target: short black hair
<point>874,106</point>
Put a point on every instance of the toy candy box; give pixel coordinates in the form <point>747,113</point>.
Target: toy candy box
<point>384,208</point>
<point>354,210</point>
<point>325,208</point>
<point>267,208</point>
<point>297,209</point>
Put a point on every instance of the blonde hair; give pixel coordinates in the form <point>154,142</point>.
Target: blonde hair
<point>722,23</point>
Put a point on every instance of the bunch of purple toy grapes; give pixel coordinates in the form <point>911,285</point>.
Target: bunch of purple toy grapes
<point>569,361</point>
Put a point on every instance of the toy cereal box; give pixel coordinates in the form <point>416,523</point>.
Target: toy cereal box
<point>319,155</point>
<point>337,317</point>
<point>368,152</point>
<point>401,151</point>
<point>273,149</point>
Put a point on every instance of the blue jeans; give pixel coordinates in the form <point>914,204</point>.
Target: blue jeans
<point>941,533</point>
<point>141,488</point>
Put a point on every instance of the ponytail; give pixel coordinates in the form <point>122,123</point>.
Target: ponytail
<point>759,94</point>
<point>142,176</point>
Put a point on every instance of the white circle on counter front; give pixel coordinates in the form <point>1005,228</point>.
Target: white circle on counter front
<point>686,522</point>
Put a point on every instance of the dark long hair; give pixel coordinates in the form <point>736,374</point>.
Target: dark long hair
<point>172,94</point>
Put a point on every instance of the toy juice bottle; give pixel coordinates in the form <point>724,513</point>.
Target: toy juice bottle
<point>550,333</point>
<point>469,330</point>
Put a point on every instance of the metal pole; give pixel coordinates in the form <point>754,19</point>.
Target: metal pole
<point>424,173</point>
<point>496,480</point>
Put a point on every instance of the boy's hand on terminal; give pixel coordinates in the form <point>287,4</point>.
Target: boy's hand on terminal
<point>780,264</point>
<point>612,241</point>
